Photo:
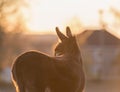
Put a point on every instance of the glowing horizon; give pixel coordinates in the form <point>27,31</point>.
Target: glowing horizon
<point>47,14</point>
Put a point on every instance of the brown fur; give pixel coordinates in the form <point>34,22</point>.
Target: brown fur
<point>34,71</point>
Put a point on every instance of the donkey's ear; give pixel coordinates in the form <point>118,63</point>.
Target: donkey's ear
<point>68,32</point>
<point>60,35</point>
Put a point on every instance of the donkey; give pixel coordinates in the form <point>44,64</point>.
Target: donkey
<point>34,71</point>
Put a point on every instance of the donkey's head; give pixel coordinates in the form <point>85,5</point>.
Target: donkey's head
<point>68,44</point>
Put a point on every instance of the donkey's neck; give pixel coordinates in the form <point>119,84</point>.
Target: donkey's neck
<point>69,55</point>
<point>72,54</point>
<point>75,55</point>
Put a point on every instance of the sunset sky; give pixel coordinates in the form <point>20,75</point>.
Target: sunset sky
<point>45,15</point>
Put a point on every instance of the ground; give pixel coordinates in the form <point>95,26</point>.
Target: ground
<point>103,86</point>
<point>91,86</point>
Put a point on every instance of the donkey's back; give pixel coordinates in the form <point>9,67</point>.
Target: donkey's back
<point>30,71</point>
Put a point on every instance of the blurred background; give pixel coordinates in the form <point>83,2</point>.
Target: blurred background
<point>30,25</point>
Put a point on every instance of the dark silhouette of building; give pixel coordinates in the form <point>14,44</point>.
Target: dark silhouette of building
<point>100,51</point>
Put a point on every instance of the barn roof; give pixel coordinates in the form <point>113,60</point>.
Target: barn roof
<point>100,37</point>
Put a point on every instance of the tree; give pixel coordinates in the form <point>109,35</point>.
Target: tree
<point>10,13</point>
<point>116,14</point>
<point>11,24</point>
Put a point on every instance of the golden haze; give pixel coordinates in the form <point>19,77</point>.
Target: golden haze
<point>45,15</point>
